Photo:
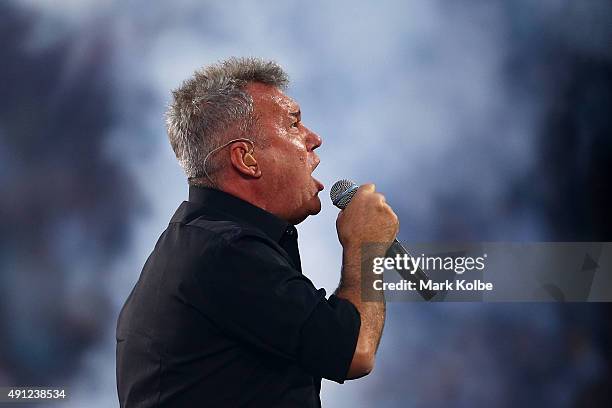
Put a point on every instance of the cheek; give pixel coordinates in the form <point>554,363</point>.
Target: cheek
<point>287,174</point>
<point>292,165</point>
<point>296,148</point>
<point>300,163</point>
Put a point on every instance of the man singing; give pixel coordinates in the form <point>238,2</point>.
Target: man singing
<point>222,315</point>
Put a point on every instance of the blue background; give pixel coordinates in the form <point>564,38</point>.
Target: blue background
<point>479,120</point>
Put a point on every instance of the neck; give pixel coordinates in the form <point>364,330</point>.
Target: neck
<point>248,192</point>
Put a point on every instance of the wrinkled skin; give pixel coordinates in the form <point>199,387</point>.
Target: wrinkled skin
<point>281,181</point>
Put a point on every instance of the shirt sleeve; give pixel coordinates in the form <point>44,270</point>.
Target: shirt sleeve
<point>251,292</point>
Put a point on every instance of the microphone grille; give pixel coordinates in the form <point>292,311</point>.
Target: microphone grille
<point>342,192</point>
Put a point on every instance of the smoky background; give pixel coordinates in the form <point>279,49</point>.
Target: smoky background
<point>479,120</point>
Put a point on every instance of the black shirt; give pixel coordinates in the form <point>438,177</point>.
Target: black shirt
<point>222,316</point>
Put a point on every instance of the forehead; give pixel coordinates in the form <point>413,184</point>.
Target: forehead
<point>268,99</point>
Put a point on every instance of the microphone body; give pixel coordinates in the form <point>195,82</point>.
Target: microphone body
<point>398,249</point>
<point>341,194</point>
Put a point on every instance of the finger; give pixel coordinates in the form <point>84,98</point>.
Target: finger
<point>381,198</point>
<point>368,188</point>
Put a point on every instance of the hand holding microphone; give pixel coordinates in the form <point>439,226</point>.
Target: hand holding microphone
<point>369,219</point>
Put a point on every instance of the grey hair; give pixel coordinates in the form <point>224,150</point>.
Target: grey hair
<point>213,103</point>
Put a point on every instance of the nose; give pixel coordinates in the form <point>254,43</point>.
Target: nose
<point>313,140</point>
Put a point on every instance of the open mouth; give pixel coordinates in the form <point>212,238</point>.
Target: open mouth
<point>319,185</point>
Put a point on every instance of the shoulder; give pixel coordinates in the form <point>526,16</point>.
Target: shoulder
<point>226,232</point>
<point>197,221</point>
<point>210,241</point>
<point>196,233</point>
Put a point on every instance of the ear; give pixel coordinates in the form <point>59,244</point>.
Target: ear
<point>243,159</point>
<point>249,160</point>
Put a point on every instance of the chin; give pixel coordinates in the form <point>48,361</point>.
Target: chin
<point>313,209</point>
<point>316,206</point>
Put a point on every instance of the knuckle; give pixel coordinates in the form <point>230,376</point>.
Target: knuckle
<point>378,198</point>
<point>368,187</point>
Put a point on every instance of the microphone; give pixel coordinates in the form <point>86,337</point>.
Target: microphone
<point>341,194</point>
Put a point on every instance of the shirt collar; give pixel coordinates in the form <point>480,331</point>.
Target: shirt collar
<point>241,210</point>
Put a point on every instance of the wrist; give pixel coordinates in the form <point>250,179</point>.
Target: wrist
<point>350,247</point>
